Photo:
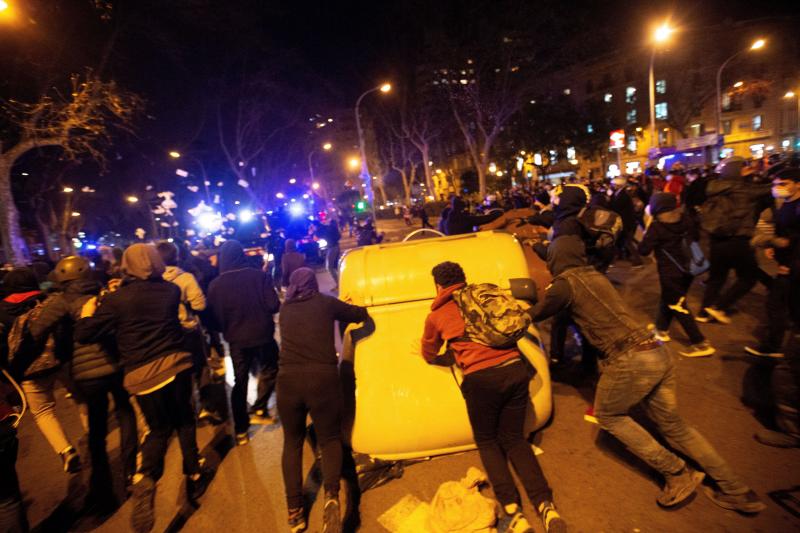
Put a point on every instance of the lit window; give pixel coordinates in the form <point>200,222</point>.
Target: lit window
<point>632,144</point>
<point>630,95</point>
<point>758,122</point>
<point>631,116</point>
<point>727,125</point>
<point>571,153</point>
<point>608,97</point>
<point>661,86</point>
<point>567,91</point>
<point>726,101</point>
<point>697,129</point>
<point>589,128</point>
<point>661,111</point>
<point>553,157</point>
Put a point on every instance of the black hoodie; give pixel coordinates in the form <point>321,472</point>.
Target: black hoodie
<point>459,221</point>
<point>242,300</point>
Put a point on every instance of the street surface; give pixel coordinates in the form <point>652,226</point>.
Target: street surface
<point>598,486</point>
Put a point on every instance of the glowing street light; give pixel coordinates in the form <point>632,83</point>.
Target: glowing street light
<point>292,181</point>
<point>280,196</point>
<point>245,215</point>
<point>660,36</point>
<point>327,147</point>
<point>68,189</point>
<point>757,45</point>
<point>174,154</point>
<point>3,5</point>
<point>738,84</point>
<point>354,162</point>
<point>75,214</point>
<point>132,199</point>
<point>789,94</point>
<point>386,87</point>
<point>315,186</point>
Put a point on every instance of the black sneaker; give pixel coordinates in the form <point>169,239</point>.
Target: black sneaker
<point>763,352</point>
<point>552,521</point>
<point>777,439</point>
<point>143,517</point>
<point>514,523</point>
<point>331,517</point>
<point>748,502</point>
<point>195,488</point>
<point>70,460</point>
<point>297,520</point>
<point>679,486</point>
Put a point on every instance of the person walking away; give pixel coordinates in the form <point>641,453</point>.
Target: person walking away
<point>407,215</point>
<point>621,203</point>
<point>37,365</point>
<point>495,389</point>
<point>243,300</point>
<point>636,370</point>
<point>332,236</point>
<point>729,215</point>
<point>97,374</point>
<point>308,383</point>
<point>667,235</point>
<point>695,194</point>
<point>423,216</point>
<point>142,315</point>
<point>784,249</point>
<point>193,301</point>
<point>290,261</point>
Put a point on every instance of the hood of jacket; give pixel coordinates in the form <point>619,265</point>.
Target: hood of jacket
<point>723,185</point>
<point>570,202</point>
<point>81,287</point>
<point>445,295</point>
<point>564,253</point>
<point>302,285</point>
<point>19,280</point>
<point>142,261</point>
<point>232,256</point>
<point>172,272</point>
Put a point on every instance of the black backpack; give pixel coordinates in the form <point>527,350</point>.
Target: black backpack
<point>601,225</point>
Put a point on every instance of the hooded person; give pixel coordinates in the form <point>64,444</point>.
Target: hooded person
<point>142,317</point>
<point>460,221</point>
<point>242,301</point>
<point>290,261</point>
<point>636,370</point>
<point>667,236</point>
<point>96,373</point>
<point>308,383</point>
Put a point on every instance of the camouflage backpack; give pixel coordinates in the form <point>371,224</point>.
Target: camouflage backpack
<point>492,316</point>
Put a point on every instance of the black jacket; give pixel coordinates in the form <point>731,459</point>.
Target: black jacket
<point>667,237</point>
<point>738,215</point>
<point>622,204</point>
<point>11,307</point>
<point>142,315</point>
<point>242,300</point>
<point>460,221</point>
<point>89,361</point>
<point>307,331</point>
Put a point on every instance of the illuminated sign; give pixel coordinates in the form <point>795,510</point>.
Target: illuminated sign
<point>617,138</point>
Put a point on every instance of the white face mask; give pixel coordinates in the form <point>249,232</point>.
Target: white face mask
<point>781,191</point>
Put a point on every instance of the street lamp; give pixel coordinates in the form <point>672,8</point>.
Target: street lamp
<point>327,147</point>
<point>3,5</point>
<point>660,36</point>
<point>354,162</point>
<point>132,199</point>
<point>68,190</point>
<point>174,154</point>
<point>789,95</point>
<point>757,45</point>
<point>365,175</point>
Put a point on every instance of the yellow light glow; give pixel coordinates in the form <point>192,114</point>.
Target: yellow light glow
<point>789,94</point>
<point>3,5</point>
<point>132,199</point>
<point>738,84</point>
<point>76,214</point>
<point>68,189</point>
<point>327,146</point>
<point>662,33</point>
<point>354,162</point>
<point>386,87</point>
<point>758,44</point>
<point>174,154</point>
<point>315,186</point>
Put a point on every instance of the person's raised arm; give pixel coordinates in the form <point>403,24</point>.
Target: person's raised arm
<point>348,313</point>
<point>557,297</point>
<point>102,323</point>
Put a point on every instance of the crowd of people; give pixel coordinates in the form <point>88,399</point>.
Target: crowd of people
<point>145,327</point>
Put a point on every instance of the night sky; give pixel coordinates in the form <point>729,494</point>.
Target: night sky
<point>180,54</point>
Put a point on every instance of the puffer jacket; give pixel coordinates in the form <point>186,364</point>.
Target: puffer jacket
<point>192,298</point>
<point>740,214</point>
<point>89,361</point>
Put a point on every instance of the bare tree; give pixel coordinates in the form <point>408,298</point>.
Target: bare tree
<point>687,93</point>
<point>79,124</point>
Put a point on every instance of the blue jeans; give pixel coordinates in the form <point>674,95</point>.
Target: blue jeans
<point>648,378</point>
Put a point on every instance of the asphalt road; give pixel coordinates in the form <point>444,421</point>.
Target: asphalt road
<point>598,485</point>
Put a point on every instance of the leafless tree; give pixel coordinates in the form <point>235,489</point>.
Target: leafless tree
<point>80,124</point>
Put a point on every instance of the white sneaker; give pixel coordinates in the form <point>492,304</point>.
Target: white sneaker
<point>718,315</point>
<point>661,336</point>
<point>701,349</point>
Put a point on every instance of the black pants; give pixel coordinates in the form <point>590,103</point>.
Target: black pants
<point>194,342</point>
<point>786,387</point>
<point>12,513</point>
<point>781,295</point>
<point>626,246</point>
<point>726,254</point>
<point>262,359</point>
<point>318,393</point>
<point>497,399</point>
<point>166,410</point>
<point>95,392</point>
<point>673,288</point>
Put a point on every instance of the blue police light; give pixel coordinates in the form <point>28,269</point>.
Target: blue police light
<point>297,210</point>
<point>245,215</point>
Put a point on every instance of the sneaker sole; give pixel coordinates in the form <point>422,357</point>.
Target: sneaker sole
<point>722,319</point>
<point>704,353</point>
<point>756,353</point>
<point>747,508</point>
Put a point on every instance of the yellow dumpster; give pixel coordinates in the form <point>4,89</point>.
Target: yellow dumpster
<point>405,408</point>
